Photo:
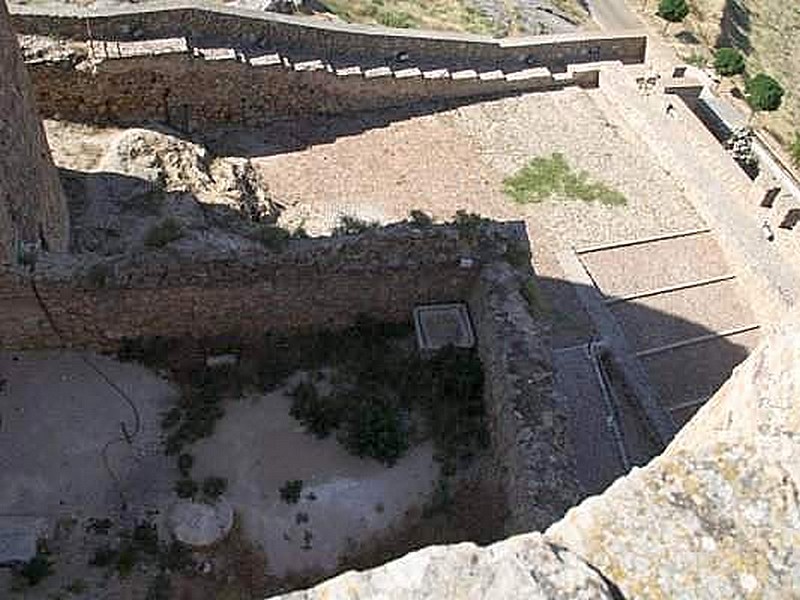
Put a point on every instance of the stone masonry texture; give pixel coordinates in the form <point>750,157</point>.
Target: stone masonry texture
<point>33,209</point>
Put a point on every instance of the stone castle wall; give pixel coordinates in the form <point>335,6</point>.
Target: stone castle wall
<point>324,283</point>
<point>189,93</point>
<point>209,23</point>
<point>192,67</point>
<point>33,211</point>
<point>327,284</point>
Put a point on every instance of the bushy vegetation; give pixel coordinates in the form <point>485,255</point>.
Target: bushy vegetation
<point>379,387</point>
<point>349,225</point>
<point>213,488</point>
<point>36,569</point>
<point>552,177</point>
<point>163,233</point>
<point>764,93</point>
<point>729,61</point>
<point>457,15</point>
<point>673,11</point>
<point>291,490</point>
<point>136,545</point>
<point>318,415</point>
<point>140,546</point>
<point>420,218</point>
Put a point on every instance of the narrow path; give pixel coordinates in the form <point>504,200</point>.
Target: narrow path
<point>613,15</point>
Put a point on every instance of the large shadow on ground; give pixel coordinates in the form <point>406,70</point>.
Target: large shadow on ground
<point>735,26</point>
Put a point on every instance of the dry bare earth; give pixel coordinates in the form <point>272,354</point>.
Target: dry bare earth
<point>765,30</point>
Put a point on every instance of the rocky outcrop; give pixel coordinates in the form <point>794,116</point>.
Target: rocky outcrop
<point>523,567</point>
<point>716,516</point>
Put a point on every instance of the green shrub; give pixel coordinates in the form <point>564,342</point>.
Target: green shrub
<point>98,275</point>
<point>469,225</point>
<point>349,225</point>
<point>395,18</point>
<point>375,428</point>
<point>546,177</point>
<point>420,218</point>
<point>36,569</point>
<point>165,232</point>
<point>763,92</point>
<point>728,61</point>
<point>214,487</point>
<point>318,415</point>
<point>291,490</point>
<point>185,488</point>
<point>673,11</point>
<point>185,463</point>
<point>103,556</point>
<point>272,237</point>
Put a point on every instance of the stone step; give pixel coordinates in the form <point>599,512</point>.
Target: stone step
<point>491,75</point>
<point>348,71</point>
<point>464,74</point>
<point>216,54</point>
<point>408,73</point>
<point>309,65</point>
<point>525,74</point>
<point>378,72</point>
<point>436,74</point>
<point>265,60</point>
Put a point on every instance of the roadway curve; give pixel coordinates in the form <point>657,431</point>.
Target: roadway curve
<point>613,15</point>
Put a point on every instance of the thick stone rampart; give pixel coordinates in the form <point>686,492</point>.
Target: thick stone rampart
<point>190,93</point>
<point>207,23</point>
<point>33,211</point>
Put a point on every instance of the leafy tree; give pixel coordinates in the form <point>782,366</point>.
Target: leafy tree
<point>729,61</point>
<point>764,93</point>
<point>672,11</point>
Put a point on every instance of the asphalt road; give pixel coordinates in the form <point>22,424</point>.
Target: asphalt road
<point>613,15</point>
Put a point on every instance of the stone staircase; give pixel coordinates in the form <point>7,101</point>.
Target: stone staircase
<point>512,76</point>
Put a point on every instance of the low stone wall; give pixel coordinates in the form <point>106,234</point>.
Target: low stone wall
<point>209,23</point>
<point>323,283</point>
<point>529,433</point>
<point>190,93</point>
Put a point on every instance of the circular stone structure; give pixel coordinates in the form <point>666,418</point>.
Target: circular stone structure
<point>201,524</point>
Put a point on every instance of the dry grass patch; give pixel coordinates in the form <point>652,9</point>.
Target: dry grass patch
<point>448,15</point>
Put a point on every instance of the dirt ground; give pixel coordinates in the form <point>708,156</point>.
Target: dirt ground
<point>345,500</point>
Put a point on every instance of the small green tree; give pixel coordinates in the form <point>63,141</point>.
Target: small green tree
<point>794,150</point>
<point>728,61</point>
<point>672,11</point>
<point>763,92</point>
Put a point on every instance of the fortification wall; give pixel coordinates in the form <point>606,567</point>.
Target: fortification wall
<point>33,209</point>
<point>323,283</point>
<point>328,284</point>
<point>529,436</point>
<point>190,93</point>
<point>208,23</point>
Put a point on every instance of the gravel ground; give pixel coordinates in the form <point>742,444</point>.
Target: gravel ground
<point>674,316</point>
<point>632,269</point>
<point>703,368</point>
